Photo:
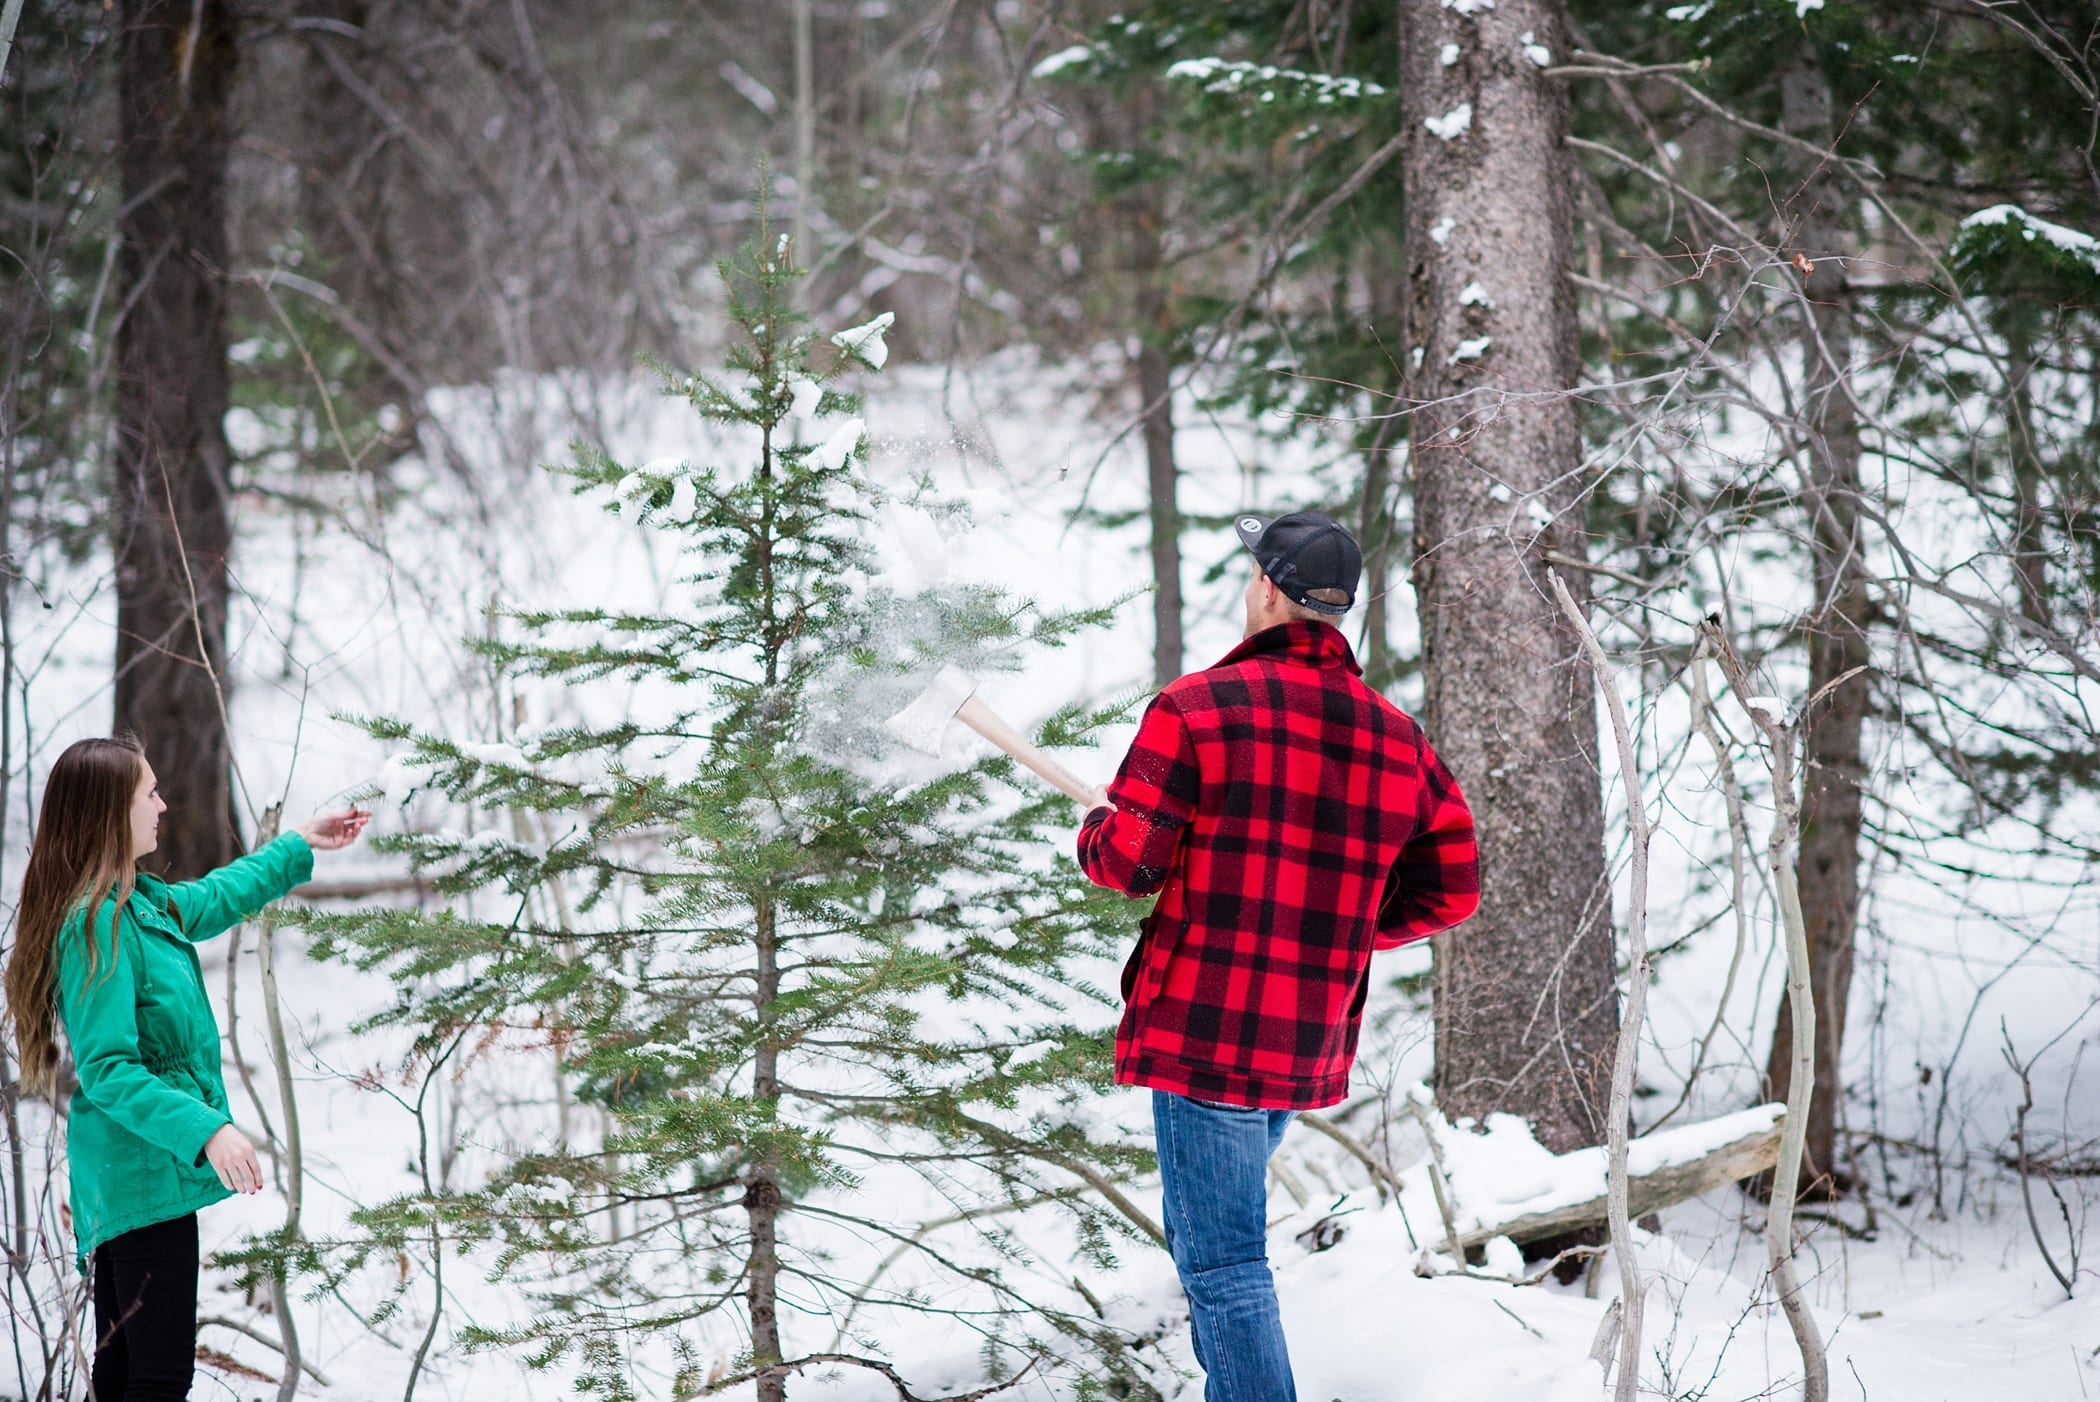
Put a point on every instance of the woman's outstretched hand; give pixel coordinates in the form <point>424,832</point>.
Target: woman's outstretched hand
<point>232,1157</point>
<point>329,832</point>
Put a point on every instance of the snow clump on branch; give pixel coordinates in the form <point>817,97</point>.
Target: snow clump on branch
<point>1219,76</point>
<point>831,455</point>
<point>1061,60</point>
<point>2081,246</point>
<point>865,341</point>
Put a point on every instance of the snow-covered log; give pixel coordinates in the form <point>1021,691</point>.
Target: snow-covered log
<point>1502,1183</point>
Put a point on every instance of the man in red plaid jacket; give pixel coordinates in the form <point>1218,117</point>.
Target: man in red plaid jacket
<point>1292,821</point>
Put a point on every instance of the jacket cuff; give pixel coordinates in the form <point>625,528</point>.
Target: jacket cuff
<point>211,1121</point>
<point>301,853</point>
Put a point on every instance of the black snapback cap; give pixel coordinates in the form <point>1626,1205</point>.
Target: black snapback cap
<point>1304,551</point>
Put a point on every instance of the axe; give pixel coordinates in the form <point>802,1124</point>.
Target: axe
<point>953,696</point>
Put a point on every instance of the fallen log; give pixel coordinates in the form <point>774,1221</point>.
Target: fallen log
<point>1496,1189</point>
<point>363,890</point>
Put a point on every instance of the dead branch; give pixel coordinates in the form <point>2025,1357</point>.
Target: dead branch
<point>1454,1245</point>
<point>1743,1157</point>
<point>1786,1176</point>
<point>1382,1177</point>
<point>1738,842</point>
<point>265,1340</point>
<point>2022,1069</point>
<point>1626,1059</point>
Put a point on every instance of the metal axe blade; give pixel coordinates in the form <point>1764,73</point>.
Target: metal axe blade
<point>921,724</point>
<point>953,696</point>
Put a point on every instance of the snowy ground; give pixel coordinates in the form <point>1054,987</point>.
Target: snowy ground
<point>1945,1296</point>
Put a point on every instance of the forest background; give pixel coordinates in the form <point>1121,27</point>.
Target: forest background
<point>1713,387</point>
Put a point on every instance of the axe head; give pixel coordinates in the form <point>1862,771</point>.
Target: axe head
<point>920,724</point>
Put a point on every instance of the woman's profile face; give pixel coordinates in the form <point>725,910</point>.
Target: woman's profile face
<point>146,808</point>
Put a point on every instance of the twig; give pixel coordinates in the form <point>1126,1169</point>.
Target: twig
<point>265,1340</point>
<point>293,1159</point>
<point>1570,562</point>
<point>1738,841</point>
<point>1436,1178</point>
<point>860,1296</point>
<point>1520,1320</point>
<point>2034,1225</point>
<point>1626,1057</point>
<point>1786,1175</point>
<point>1382,1177</point>
<point>1099,1182</point>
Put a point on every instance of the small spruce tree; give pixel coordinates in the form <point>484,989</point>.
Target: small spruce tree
<point>779,976</point>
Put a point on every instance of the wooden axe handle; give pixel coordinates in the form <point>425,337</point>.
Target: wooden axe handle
<point>986,722</point>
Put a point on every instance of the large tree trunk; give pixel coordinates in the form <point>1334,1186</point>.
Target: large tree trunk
<point>1155,332</point>
<point>171,505</point>
<point>1525,995</point>
<point>1828,865</point>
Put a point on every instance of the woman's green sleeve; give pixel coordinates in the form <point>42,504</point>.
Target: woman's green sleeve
<point>214,904</point>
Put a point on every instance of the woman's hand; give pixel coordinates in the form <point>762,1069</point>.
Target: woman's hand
<point>232,1157</point>
<point>329,832</point>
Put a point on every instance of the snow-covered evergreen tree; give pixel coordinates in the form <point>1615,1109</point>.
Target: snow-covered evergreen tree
<point>779,972</point>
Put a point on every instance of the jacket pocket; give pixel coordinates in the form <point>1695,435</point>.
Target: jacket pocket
<point>1362,994</point>
<point>1136,962</point>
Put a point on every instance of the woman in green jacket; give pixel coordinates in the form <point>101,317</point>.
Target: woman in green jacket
<point>105,952</point>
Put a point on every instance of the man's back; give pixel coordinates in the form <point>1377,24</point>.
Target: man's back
<point>1292,820</point>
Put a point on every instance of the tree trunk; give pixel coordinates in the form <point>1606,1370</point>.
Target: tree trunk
<point>1155,333</point>
<point>1374,532</point>
<point>805,143</point>
<point>762,1185</point>
<point>1525,995</point>
<point>1827,867</point>
<point>170,510</point>
<point>1160,478</point>
<point>2030,555</point>
<point>1377,529</point>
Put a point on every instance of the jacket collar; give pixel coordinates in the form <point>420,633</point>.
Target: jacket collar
<point>149,899</point>
<point>1298,641</point>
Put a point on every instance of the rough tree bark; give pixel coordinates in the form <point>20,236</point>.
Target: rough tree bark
<point>1525,1002</point>
<point>1827,866</point>
<point>1146,214</point>
<point>171,516</point>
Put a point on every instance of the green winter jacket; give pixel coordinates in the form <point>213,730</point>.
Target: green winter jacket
<point>146,1045</point>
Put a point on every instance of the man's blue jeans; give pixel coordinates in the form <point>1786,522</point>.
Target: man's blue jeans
<point>1214,1166</point>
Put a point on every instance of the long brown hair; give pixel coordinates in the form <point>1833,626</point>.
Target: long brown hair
<point>81,853</point>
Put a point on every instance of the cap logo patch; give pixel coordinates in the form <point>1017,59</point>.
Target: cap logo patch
<point>1249,523</point>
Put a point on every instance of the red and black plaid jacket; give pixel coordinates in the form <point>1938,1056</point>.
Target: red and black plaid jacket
<point>1292,820</point>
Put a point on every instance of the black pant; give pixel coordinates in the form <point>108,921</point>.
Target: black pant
<point>146,1313</point>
